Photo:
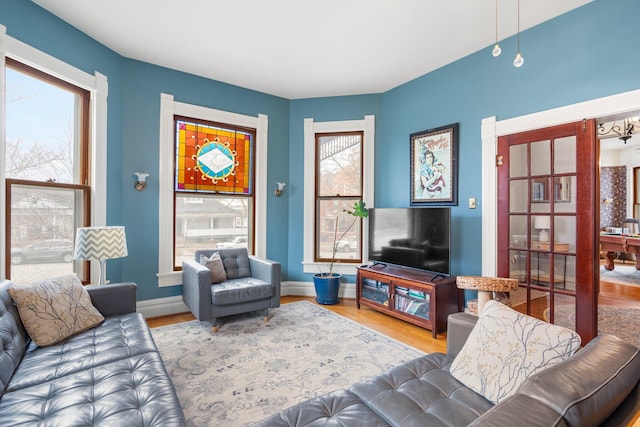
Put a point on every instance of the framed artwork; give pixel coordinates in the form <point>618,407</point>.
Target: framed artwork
<point>434,166</point>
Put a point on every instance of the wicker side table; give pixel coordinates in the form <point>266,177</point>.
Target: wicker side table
<point>485,286</point>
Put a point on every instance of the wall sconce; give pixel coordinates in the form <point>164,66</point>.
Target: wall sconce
<point>141,182</point>
<point>279,189</point>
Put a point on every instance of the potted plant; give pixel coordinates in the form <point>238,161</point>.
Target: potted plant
<point>327,284</point>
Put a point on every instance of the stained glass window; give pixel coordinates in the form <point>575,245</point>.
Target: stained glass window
<point>213,159</point>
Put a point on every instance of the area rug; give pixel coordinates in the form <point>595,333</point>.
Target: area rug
<point>625,274</point>
<point>623,322</point>
<point>251,369</point>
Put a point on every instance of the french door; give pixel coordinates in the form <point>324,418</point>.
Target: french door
<point>547,223</point>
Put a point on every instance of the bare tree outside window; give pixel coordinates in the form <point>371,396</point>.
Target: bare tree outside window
<point>46,198</point>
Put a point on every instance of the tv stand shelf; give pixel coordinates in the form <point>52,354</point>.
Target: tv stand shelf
<point>418,297</point>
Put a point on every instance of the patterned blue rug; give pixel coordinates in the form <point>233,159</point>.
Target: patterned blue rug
<point>251,369</point>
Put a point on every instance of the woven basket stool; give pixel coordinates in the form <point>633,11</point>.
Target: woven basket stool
<point>485,286</point>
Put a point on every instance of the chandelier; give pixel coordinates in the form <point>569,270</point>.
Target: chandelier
<point>614,129</point>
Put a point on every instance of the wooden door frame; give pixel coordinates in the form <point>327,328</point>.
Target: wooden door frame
<point>491,129</point>
<point>586,213</point>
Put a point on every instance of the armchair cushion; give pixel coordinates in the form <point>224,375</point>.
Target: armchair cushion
<point>55,309</point>
<point>235,261</point>
<point>240,290</point>
<point>215,266</point>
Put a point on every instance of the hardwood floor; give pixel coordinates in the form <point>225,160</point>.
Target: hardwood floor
<point>397,329</point>
<point>610,294</point>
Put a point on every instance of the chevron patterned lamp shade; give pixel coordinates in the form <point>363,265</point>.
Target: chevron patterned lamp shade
<point>101,243</point>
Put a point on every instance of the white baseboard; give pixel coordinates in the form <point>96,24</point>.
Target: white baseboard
<point>161,306</point>
<point>306,289</point>
<point>174,305</point>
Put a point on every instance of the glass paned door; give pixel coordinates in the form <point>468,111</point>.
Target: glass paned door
<point>542,211</point>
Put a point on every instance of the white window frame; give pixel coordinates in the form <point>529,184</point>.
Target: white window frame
<point>311,128</point>
<point>98,88</point>
<point>170,108</point>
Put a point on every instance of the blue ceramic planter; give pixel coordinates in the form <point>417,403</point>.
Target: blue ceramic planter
<point>327,288</point>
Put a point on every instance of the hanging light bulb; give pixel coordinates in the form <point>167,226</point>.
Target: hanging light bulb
<point>496,49</point>
<point>519,60</point>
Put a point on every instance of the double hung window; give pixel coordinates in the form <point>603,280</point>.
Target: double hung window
<point>338,187</point>
<point>46,172</point>
<point>338,159</point>
<point>214,190</point>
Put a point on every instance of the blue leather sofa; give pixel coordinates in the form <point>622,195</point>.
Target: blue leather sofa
<point>111,374</point>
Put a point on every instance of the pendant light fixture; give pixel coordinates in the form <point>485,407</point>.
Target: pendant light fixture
<point>496,49</point>
<point>519,60</point>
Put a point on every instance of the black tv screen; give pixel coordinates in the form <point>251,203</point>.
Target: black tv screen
<point>411,237</point>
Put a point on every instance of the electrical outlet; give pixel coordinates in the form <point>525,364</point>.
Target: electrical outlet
<point>472,202</point>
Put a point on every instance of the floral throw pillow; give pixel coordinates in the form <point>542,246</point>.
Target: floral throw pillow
<point>214,264</point>
<point>55,309</point>
<point>505,347</point>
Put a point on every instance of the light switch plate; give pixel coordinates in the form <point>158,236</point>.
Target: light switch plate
<point>472,202</point>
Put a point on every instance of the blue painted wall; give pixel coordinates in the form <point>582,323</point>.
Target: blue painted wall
<point>143,84</point>
<point>575,57</point>
<point>588,53</point>
<point>133,133</point>
<point>32,25</point>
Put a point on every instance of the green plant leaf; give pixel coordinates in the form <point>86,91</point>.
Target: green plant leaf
<point>359,210</point>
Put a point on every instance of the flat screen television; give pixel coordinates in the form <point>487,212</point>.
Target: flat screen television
<point>411,237</point>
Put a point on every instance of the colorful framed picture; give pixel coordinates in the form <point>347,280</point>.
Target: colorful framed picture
<point>434,166</point>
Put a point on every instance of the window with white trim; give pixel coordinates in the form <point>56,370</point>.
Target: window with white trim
<point>54,175</point>
<point>168,255</point>
<point>339,158</point>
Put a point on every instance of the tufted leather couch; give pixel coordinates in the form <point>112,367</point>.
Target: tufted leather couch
<point>109,375</point>
<point>596,386</point>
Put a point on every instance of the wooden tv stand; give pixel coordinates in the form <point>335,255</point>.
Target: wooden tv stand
<point>414,296</point>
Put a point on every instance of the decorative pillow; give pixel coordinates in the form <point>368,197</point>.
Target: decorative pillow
<point>55,309</point>
<point>214,264</point>
<point>236,263</point>
<point>506,347</point>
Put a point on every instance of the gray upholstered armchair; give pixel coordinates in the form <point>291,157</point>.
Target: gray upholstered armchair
<point>252,284</point>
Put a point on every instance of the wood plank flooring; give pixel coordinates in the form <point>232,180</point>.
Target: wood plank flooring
<point>610,294</point>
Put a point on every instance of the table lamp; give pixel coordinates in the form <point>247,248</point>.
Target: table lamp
<point>485,286</point>
<point>101,243</point>
<point>542,223</point>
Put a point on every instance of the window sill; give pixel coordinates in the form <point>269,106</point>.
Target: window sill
<point>321,267</point>
<point>172,278</point>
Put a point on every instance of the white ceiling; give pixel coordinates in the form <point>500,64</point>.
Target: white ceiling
<point>302,48</point>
